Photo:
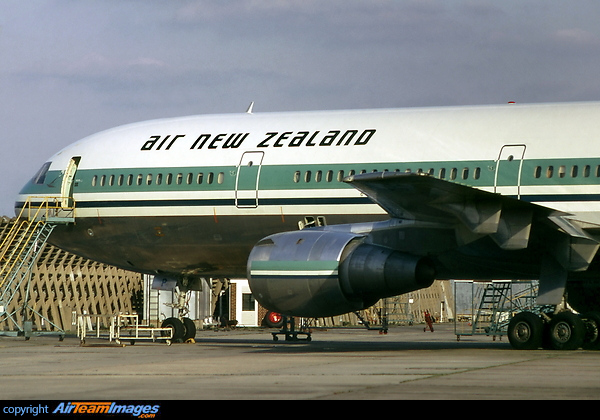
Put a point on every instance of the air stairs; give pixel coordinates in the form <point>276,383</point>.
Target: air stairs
<point>489,315</point>
<point>492,306</point>
<point>19,252</point>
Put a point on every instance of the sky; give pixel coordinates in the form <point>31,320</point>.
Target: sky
<point>69,68</point>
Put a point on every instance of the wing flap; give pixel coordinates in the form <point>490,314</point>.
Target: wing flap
<point>507,220</point>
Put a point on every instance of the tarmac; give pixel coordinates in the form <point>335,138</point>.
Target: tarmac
<point>407,363</point>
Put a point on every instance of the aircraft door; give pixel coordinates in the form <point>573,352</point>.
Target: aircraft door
<point>509,166</point>
<point>66,188</point>
<point>246,181</point>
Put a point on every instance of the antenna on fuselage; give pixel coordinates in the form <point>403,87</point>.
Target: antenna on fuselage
<point>249,110</point>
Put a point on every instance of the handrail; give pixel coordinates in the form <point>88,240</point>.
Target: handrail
<point>48,207</point>
<point>27,214</point>
<point>29,219</point>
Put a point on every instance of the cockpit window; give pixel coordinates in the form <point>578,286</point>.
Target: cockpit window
<point>40,176</point>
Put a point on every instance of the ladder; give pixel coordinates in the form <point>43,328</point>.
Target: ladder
<point>492,307</point>
<point>19,252</point>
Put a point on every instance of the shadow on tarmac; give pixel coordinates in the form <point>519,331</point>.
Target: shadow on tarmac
<point>345,340</point>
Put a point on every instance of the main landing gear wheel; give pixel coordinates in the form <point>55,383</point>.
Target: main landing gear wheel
<point>592,329</point>
<point>525,331</point>
<point>566,331</point>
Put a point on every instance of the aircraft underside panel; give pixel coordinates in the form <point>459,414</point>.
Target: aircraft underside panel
<point>211,246</point>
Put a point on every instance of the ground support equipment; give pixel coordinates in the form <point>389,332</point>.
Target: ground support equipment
<point>289,331</point>
<point>121,327</point>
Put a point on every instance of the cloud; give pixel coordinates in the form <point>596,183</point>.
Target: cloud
<point>577,38</point>
<point>68,69</point>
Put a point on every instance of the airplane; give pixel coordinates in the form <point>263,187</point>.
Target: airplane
<point>326,212</point>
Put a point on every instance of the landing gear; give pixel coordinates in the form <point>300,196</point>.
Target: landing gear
<point>566,331</point>
<point>592,330</point>
<point>561,331</point>
<point>183,330</point>
<point>525,331</point>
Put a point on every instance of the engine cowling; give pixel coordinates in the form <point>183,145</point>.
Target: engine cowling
<point>319,273</point>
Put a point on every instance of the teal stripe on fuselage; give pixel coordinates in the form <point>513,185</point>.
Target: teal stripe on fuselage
<point>480,174</point>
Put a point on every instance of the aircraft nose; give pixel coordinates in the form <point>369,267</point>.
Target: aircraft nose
<point>36,187</point>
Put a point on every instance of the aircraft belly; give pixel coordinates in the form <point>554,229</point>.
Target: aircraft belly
<point>195,246</point>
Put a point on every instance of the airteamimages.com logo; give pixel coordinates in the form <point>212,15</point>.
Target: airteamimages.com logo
<point>142,411</point>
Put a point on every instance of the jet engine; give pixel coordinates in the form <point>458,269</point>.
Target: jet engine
<point>320,273</point>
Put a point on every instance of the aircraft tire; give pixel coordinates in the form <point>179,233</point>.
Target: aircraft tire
<point>592,327</point>
<point>525,331</point>
<point>190,329</point>
<point>567,331</point>
<point>177,326</point>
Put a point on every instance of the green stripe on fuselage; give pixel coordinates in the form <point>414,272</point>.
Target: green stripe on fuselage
<point>481,174</point>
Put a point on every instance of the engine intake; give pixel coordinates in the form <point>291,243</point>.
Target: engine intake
<point>318,273</point>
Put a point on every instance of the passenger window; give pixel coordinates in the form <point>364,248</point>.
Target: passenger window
<point>307,176</point>
<point>465,173</point>
<point>220,177</point>
<point>329,176</point>
<point>199,178</point>
<point>453,173</point>
<point>318,176</point>
<point>550,171</point>
<point>340,176</point>
<point>442,174</point>
<point>179,179</point>
<point>537,172</point>
<point>94,180</point>
<point>477,173</point>
<point>574,171</point>
<point>159,179</point>
<point>297,177</point>
<point>586,171</point>
<point>211,177</point>
<point>562,171</point>
<point>120,180</point>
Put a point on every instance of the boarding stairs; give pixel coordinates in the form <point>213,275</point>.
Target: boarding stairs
<point>497,303</point>
<point>19,252</point>
<point>491,309</point>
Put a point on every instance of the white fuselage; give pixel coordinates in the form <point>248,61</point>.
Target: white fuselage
<point>192,195</point>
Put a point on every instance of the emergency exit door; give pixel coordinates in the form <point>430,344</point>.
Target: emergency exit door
<point>247,178</point>
<point>509,167</point>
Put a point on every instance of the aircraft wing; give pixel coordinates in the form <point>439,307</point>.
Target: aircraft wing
<point>475,213</point>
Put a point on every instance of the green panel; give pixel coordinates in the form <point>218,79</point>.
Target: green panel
<point>584,171</point>
<point>295,265</point>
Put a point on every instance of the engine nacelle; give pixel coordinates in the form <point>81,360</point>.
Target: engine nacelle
<point>318,273</point>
